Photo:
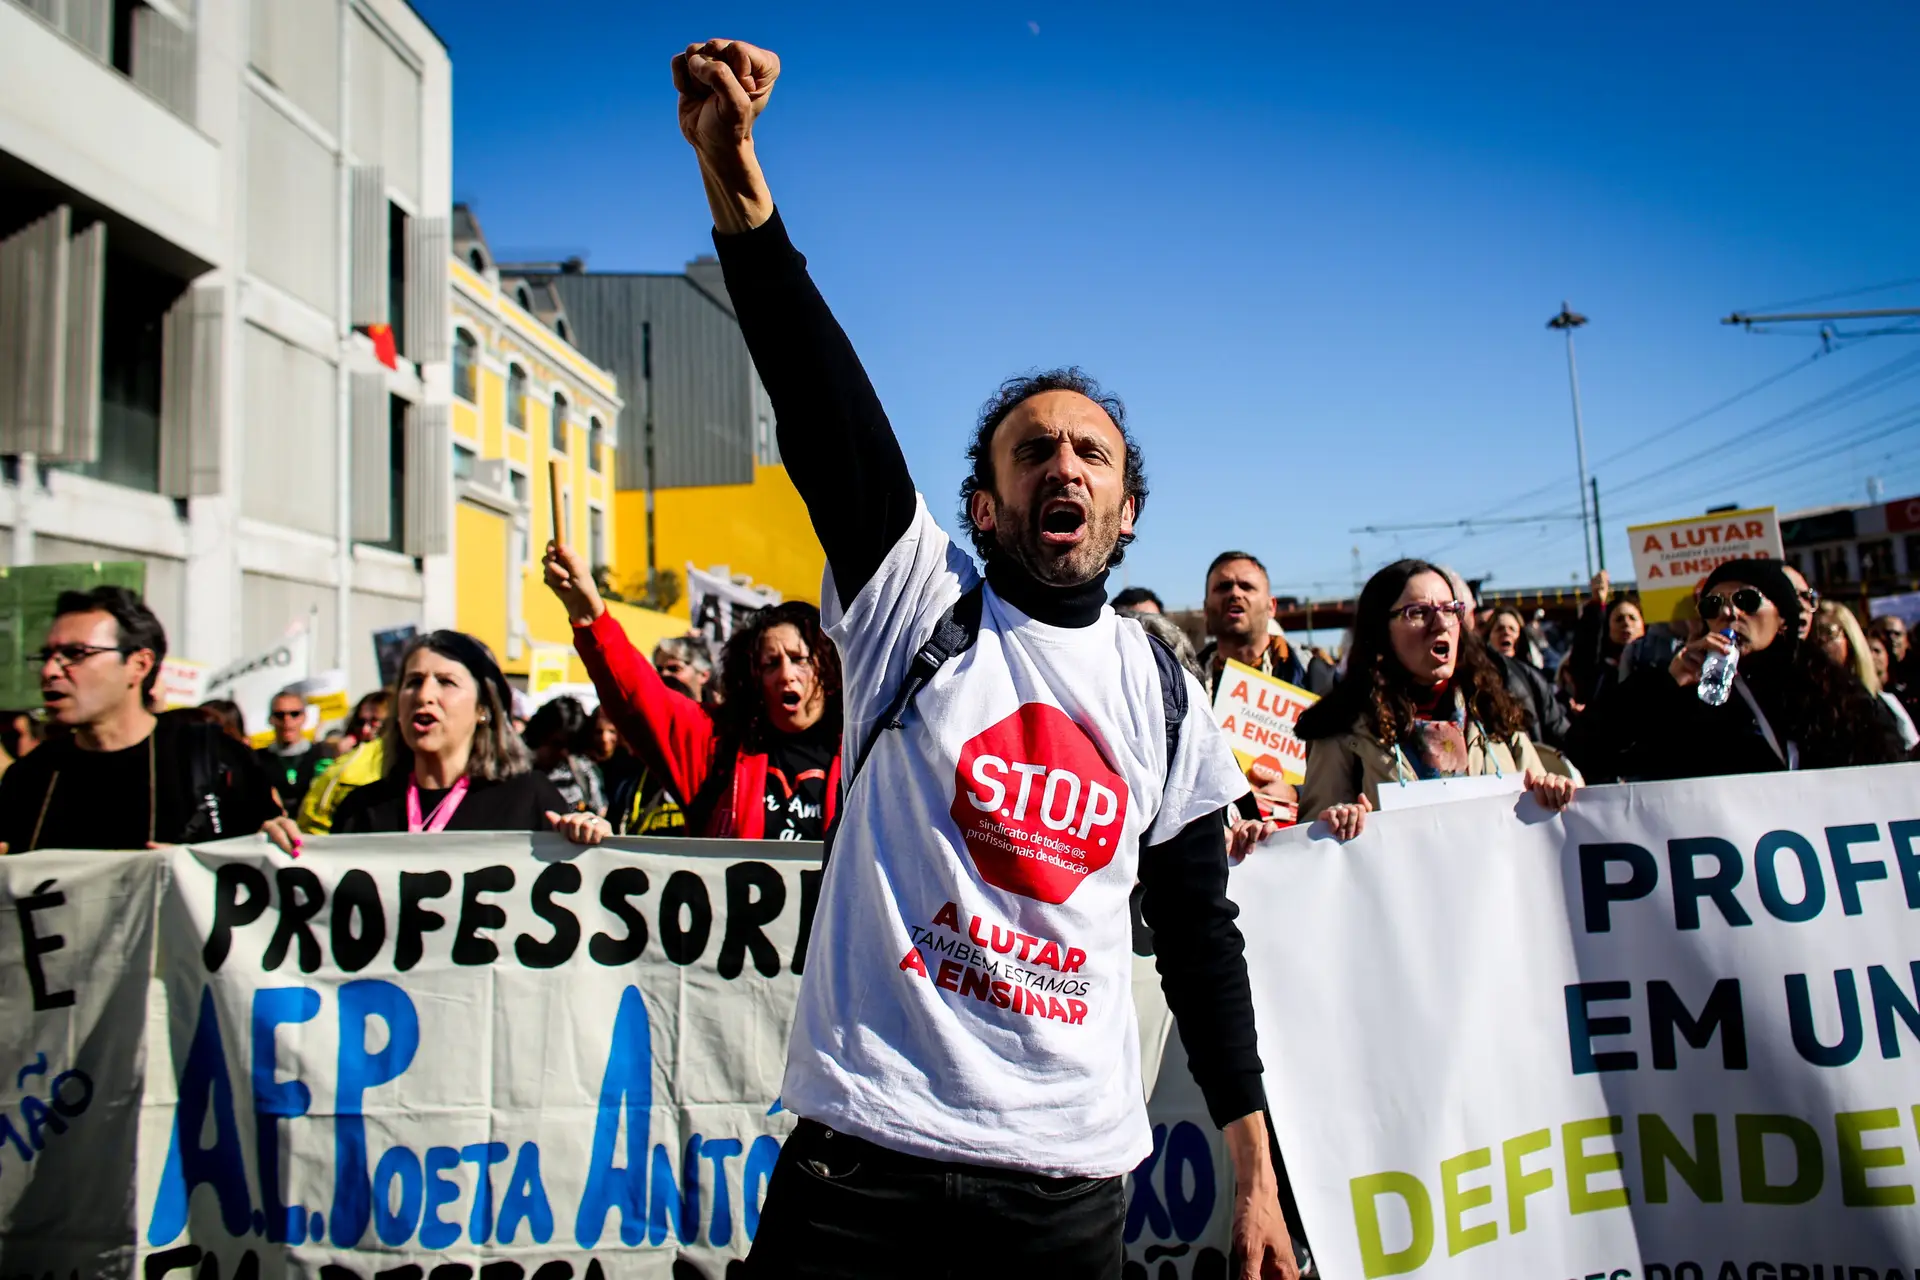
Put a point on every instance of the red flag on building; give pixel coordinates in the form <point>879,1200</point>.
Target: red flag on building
<point>383,348</point>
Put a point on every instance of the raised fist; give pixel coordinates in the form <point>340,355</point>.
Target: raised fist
<point>724,86</point>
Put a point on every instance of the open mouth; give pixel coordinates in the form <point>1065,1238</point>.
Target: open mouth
<point>791,699</point>
<point>423,721</point>
<point>1063,522</point>
<point>1442,650</point>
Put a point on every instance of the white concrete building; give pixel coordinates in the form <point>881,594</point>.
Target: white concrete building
<point>203,206</point>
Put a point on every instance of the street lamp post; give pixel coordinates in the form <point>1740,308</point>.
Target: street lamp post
<point>1568,320</point>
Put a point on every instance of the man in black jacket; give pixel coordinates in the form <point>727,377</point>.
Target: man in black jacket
<point>963,1052</point>
<point>122,778</point>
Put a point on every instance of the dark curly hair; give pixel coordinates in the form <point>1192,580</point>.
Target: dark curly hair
<point>1377,690</point>
<point>743,713</point>
<point>1009,397</point>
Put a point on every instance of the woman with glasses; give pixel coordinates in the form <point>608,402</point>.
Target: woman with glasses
<point>1790,707</point>
<point>1839,636</point>
<point>453,761</point>
<point>765,763</point>
<point>1420,700</point>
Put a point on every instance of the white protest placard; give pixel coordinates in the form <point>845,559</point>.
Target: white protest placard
<point>252,681</point>
<point>1418,793</point>
<point>1670,558</point>
<point>1672,1033</point>
<point>1257,713</point>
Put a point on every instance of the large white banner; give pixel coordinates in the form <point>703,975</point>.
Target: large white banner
<point>399,1055</point>
<point>1673,1033</point>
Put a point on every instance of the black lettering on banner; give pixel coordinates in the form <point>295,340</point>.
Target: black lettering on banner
<point>359,923</point>
<point>232,911</point>
<point>685,945</point>
<point>558,877</point>
<point>1667,1013</point>
<point>415,920</point>
<point>621,884</point>
<point>558,1269</point>
<point>35,944</point>
<point>410,1271</point>
<point>176,1259</point>
<point>301,898</point>
<point>809,900</point>
<point>502,1269</point>
<point>451,1271</point>
<point>755,897</point>
<point>468,946</point>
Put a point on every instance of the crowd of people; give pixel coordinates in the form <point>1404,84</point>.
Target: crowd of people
<point>851,727</point>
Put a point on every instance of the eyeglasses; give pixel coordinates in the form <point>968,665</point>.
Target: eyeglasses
<point>1809,598</point>
<point>297,714</point>
<point>72,655</point>
<point>1747,600</point>
<point>1424,615</point>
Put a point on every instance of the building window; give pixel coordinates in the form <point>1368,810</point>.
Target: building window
<point>397,277</point>
<point>134,300</point>
<point>558,441</point>
<point>477,261</point>
<point>516,397</point>
<point>466,366</point>
<point>596,438</point>
<point>463,460</point>
<point>517,483</point>
<point>560,327</point>
<point>596,537</point>
<point>1830,566</point>
<point>524,298</point>
<point>1876,559</point>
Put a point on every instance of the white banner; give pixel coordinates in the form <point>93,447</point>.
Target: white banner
<point>1673,1033</point>
<point>494,1052</point>
<point>252,681</point>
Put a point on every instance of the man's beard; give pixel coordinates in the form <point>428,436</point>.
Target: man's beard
<point>1017,535</point>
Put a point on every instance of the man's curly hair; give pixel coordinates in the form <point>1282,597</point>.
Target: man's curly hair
<point>1008,398</point>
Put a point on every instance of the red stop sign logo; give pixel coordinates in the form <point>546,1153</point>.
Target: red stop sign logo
<point>1037,805</point>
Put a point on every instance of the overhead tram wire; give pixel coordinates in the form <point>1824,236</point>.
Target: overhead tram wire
<point>1829,297</point>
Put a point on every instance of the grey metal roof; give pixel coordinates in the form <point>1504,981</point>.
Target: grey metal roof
<point>706,396</point>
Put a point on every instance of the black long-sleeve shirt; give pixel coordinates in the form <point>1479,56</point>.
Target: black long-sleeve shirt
<point>843,457</point>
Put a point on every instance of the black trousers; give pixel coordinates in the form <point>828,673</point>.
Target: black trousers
<point>842,1207</point>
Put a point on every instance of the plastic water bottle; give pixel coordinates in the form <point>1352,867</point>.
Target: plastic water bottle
<point>1717,672</point>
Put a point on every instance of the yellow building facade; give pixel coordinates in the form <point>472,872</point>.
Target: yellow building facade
<point>524,397</point>
<point>759,530</point>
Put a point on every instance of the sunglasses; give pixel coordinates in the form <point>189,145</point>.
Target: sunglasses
<point>1746,600</point>
<point>288,715</point>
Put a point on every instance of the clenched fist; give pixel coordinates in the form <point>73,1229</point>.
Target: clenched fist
<point>724,86</point>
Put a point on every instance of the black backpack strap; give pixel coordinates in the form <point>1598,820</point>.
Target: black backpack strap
<point>1173,692</point>
<point>952,636</point>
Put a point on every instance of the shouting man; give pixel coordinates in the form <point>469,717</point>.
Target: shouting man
<point>964,1057</point>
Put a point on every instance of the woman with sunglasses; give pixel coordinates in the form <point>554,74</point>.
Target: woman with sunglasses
<point>1420,700</point>
<point>1791,707</point>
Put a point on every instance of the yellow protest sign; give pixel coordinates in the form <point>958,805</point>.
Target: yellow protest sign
<point>1257,713</point>
<point>1671,558</point>
<point>546,667</point>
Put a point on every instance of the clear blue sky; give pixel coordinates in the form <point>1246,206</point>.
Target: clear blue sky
<point>1313,250</point>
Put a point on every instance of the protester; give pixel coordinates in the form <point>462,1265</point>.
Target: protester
<point>453,762</point>
<point>232,721</point>
<point>638,802</point>
<point>1901,679</point>
<point>1839,636</point>
<point>1510,649</point>
<point>1239,614</point>
<point>765,763</point>
<point>558,736</point>
<point>1138,600</point>
<point>907,1087</point>
<point>685,662</point>
<point>368,719</point>
<point>1808,597</point>
<point>1607,625</point>
<point>1791,707</point>
<point>363,764</point>
<point>20,733</point>
<point>1882,670</point>
<point>290,760</point>
<point>120,778</point>
<point>1420,700</point>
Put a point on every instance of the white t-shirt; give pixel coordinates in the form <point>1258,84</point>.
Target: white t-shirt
<point>967,994</point>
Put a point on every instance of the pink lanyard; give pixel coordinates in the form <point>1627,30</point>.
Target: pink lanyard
<point>442,813</point>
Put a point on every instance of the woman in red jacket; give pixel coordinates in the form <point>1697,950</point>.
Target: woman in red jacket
<point>765,763</point>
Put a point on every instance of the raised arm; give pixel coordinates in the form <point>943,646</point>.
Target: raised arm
<point>642,707</point>
<point>836,441</point>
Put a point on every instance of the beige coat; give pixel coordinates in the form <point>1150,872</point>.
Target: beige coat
<point>1342,769</point>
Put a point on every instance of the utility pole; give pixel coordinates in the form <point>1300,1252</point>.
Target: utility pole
<point>1568,320</point>
<point>646,382</point>
<point>1599,538</point>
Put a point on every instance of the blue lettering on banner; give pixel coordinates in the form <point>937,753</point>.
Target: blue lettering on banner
<point>435,1231</point>
<point>68,1095</point>
<point>681,1204</point>
<point>275,1100</point>
<point>359,1071</point>
<point>626,1086</point>
<point>204,1085</point>
<point>526,1200</point>
<point>716,1152</point>
<point>761,1157</point>
<point>396,1226</point>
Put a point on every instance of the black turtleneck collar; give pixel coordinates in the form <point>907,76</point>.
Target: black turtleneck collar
<point>1056,606</point>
